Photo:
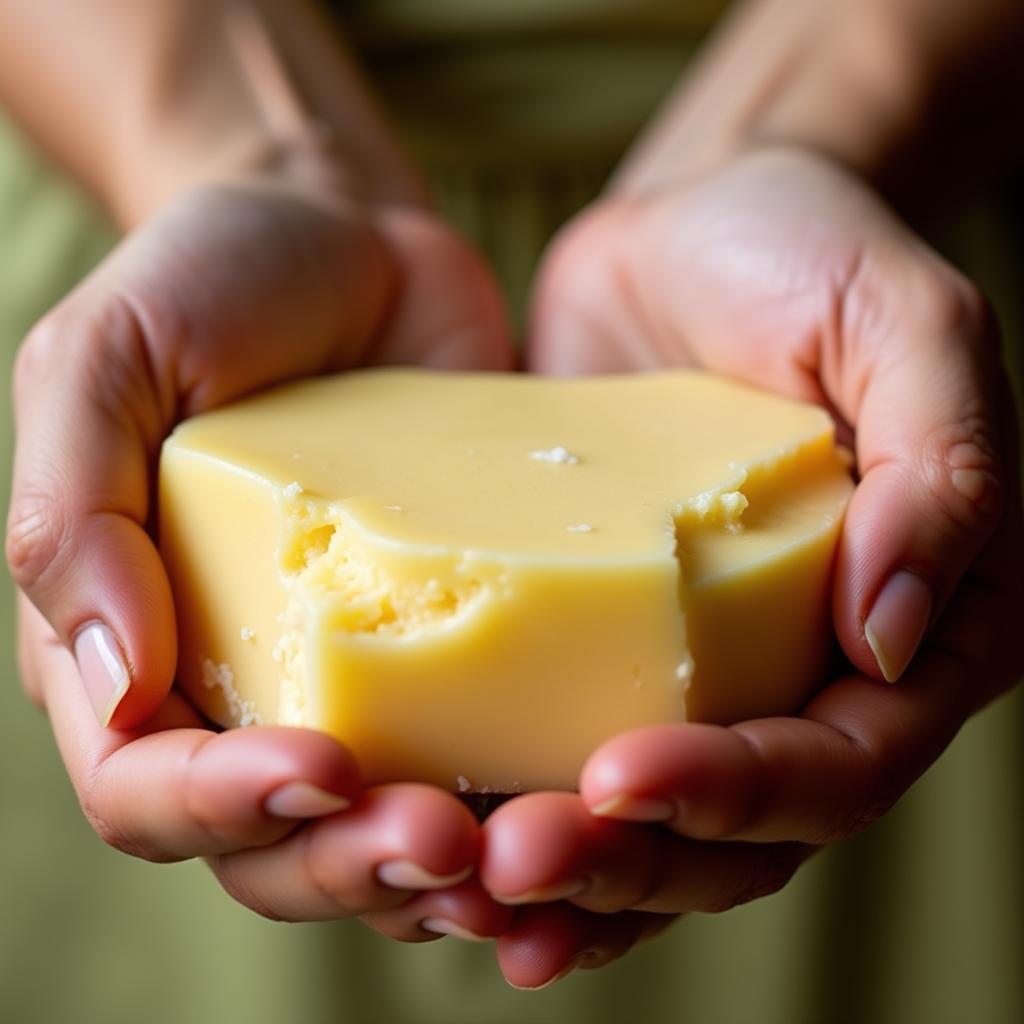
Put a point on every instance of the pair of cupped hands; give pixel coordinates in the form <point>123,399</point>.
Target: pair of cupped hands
<point>778,268</point>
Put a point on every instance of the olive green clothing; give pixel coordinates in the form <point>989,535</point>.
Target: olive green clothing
<point>918,919</point>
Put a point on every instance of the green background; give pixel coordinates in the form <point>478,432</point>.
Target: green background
<point>918,919</point>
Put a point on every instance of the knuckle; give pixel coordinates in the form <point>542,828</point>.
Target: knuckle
<point>322,873</point>
<point>773,868</point>
<point>856,819</point>
<point>885,780</point>
<point>95,808</point>
<point>952,304</point>
<point>39,351</point>
<point>587,272</point>
<point>114,360</point>
<point>884,769</point>
<point>962,472</point>
<point>888,785</point>
<point>195,803</point>
<point>102,827</point>
<point>576,267</point>
<point>960,461</point>
<point>37,536</point>
<point>132,381</point>
<point>233,881</point>
<point>100,823</point>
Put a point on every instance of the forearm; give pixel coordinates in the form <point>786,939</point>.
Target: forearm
<point>882,86</point>
<point>143,98</point>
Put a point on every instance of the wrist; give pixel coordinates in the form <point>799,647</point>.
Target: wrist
<point>297,164</point>
<point>271,101</point>
<point>846,81</point>
<point>308,159</point>
<point>860,99</point>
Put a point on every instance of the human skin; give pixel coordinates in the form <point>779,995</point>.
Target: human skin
<point>258,229</point>
<point>275,232</point>
<point>749,233</point>
<point>784,270</point>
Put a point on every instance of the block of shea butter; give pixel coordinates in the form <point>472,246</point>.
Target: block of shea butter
<point>475,579</point>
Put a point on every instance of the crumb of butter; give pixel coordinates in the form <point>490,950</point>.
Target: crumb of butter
<point>325,553</point>
<point>247,634</point>
<point>580,528</point>
<point>291,705</point>
<point>723,507</point>
<point>734,504</point>
<point>367,598</point>
<point>684,670</point>
<point>219,676</point>
<point>512,787</point>
<point>293,490</point>
<point>558,456</point>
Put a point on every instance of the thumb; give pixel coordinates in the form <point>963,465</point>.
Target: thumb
<point>920,387</point>
<point>88,427</point>
<point>449,312</point>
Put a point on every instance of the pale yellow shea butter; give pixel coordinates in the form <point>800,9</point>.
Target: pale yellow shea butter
<point>474,580</point>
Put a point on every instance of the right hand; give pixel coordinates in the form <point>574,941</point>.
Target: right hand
<point>785,270</point>
<point>229,289</point>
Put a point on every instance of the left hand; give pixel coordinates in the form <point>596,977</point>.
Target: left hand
<point>234,286</point>
<point>785,271</point>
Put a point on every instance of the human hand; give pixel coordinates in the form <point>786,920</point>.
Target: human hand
<point>783,270</point>
<point>229,289</point>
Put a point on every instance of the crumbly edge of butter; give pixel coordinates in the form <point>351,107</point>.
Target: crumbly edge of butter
<point>325,550</point>
<point>221,677</point>
<point>323,547</point>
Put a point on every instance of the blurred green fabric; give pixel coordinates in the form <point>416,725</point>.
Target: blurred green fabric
<point>919,919</point>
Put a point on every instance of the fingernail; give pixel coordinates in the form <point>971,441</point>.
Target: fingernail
<point>897,622</point>
<point>404,874</point>
<point>103,669</point>
<point>563,973</point>
<point>442,926</point>
<point>545,894</point>
<point>303,800</point>
<point>634,808</point>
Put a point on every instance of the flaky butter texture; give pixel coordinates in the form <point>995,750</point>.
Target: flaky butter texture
<point>475,579</point>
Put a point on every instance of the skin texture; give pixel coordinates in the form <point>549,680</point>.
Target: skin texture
<point>280,233</point>
<point>202,305</point>
<point>785,271</point>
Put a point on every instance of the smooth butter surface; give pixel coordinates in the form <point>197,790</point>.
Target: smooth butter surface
<point>475,579</point>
